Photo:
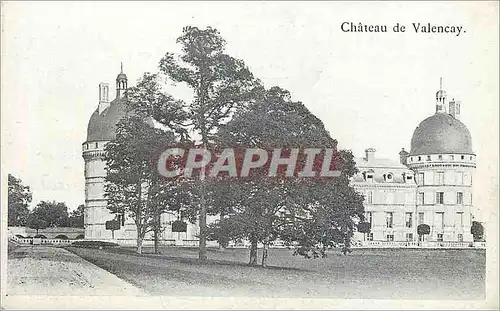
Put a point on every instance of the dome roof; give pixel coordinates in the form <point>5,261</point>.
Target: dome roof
<point>441,133</point>
<point>121,76</point>
<point>440,94</point>
<point>102,126</point>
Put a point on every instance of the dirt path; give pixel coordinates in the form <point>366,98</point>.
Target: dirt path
<point>42,270</point>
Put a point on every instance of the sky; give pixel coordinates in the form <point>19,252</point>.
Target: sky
<point>369,89</point>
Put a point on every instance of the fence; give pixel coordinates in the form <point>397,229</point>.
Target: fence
<point>40,241</point>
<point>426,244</point>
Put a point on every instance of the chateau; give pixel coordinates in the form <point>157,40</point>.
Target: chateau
<point>431,184</point>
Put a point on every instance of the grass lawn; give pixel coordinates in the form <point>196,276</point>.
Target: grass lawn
<point>379,274</point>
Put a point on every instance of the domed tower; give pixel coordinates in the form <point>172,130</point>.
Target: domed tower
<point>101,130</point>
<point>443,161</point>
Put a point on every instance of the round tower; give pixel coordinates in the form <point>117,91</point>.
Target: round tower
<point>443,161</point>
<point>101,130</point>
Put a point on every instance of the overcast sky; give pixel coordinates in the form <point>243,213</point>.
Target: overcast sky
<point>370,90</point>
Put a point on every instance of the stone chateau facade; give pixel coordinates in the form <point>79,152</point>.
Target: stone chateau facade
<point>431,184</point>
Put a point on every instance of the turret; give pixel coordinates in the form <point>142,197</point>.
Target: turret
<point>440,98</point>
<point>121,83</point>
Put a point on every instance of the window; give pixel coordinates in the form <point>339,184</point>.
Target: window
<point>440,157</point>
<point>440,178</point>
<point>471,158</point>
<point>389,219</point>
<point>460,219</point>
<point>369,218</point>
<point>369,197</point>
<point>420,158</point>
<point>439,197</point>
<point>96,145</point>
<point>388,177</point>
<point>460,237</point>
<point>409,237</point>
<point>421,197</point>
<point>439,220</point>
<point>462,157</point>
<point>369,177</point>
<point>420,178</point>
<point>409,177</point>
<point>390,237</point>
<point>460,178</point>
<point>440,237</point>
<point>452,157</point>
<point>460,198</point>
<point>428,158</point>
<point>369,237</point>
<point>409,220</point>
<point>420,218</point>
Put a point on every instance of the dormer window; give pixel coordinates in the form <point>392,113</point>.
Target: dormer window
<point>440,157</point>
<point>388,177</point>
<point>428,158</point>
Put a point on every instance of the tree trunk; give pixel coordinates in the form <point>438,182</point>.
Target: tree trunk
<point>253,253</point>
<point>157,234</point>
<point>202,254</point>
<point>139,245</point>
<point>265,252</point>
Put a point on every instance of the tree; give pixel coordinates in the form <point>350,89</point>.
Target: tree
<point>19,196</point>
<point>305,211</point>
<point>423,229</point>
<point>477,230</point>
<point>76,218</point>
<point>36,222</point>
<point>113,225</point>
<point>133,187</point>
<point>220,84</point>
<point>364,227</point>
<point>54,214</point>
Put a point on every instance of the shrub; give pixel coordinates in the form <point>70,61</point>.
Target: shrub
<point>477,230</point>
<point>423,229</point>
<point>62,237</point>
<point>41,236</point>
<point>94,244</point>
<point>80,237</point>
<point>19,236</point>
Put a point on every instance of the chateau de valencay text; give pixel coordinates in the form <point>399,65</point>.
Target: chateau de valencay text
<point>423,28</point>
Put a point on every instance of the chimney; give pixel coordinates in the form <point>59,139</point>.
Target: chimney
<point>370,154</point>
<point>103,96</point>
<point>455,109</point>
<point>403,156</point>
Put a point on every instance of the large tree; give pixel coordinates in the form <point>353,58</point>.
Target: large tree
<point>307,211</point>
<point>220,84</point>
<point>133,188</point>
<point>19,196</point>
<point>54,214</point>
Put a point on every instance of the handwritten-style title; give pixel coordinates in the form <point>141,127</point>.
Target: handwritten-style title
<point>421,28</point>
